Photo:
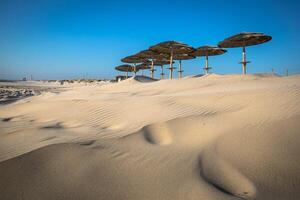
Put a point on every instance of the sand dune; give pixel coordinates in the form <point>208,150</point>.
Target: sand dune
<point>209,137</point>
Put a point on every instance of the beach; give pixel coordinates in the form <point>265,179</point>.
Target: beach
<point>212,137</point>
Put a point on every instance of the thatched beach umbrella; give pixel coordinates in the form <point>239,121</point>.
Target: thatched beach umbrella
<point>181,57</point>
<point>133,59</point>
<point>161,63</point>
<point>172,48</point>
<point>150,64</point>
<point>125,68</point>
<point>143,66</point>
<point>152,56</point>
<point>242,40</point>
<point>208,51</point>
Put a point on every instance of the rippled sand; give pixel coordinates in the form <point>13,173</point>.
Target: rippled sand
<point>213,137</point>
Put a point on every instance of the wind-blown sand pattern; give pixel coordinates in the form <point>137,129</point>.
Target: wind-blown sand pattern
<point>216,137</point>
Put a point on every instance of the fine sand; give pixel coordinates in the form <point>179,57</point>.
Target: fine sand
<point>215,137</point>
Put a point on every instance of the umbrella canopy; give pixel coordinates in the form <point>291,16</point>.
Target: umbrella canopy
<point>244,39</point>
<point>172,48</point>
<point>161,62</point>
<point>149,54</point>
<point>157,62</point>
<point>183,57</point>
<point>133,59</point>
<point>143,66</point>
<point>208,51</point>
<point>124,68</point>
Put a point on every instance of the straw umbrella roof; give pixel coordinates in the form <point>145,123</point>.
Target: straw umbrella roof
<point>183,57</point>
<point>158,62</point>
<point>169,46</point>
<point>208,51</point>
<point>133,59</point>
<point>149,54</point>
<point>161,62</point>
<point>125,68</point>
<point>143,66</point>
<point>244,39</point>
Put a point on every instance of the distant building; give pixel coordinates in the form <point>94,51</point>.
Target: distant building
<point>24,79</point>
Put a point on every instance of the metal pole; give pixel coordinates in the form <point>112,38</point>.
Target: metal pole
<point>180,70</point>
<point>171,64</point>
<point>244,61</point>
<point>152,68</point>
<point>162,72</point>
<point>287,72</point>
<point>127,75</point>
<point>148,67</point>
<point>134,69</point>
<point>206,65</point>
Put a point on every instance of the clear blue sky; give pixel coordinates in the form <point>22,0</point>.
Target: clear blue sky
<point>70,39</point>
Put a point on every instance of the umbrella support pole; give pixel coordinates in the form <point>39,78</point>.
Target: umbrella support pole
<point>206,65</point>
<point>134,69</point>
<point>180,70</point>
<point>244,62</point>
<point>171,65</point>
<point>126,75</point>
<point>152,69</point>
<point>162,72</point>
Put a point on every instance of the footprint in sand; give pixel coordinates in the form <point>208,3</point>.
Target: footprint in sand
<point>225,177</point>
<point>7,119</point>
<point>158,134</point>
<point>87,143</point>
<point>56,125</point>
